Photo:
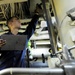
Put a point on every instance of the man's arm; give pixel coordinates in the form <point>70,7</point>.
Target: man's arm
<point>32,26</point>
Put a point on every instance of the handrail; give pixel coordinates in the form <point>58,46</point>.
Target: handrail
<point>35,71</point>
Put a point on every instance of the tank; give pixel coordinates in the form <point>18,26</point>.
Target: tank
<point>65,25</point>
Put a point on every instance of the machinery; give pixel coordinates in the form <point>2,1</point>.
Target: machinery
<point>62,30</point>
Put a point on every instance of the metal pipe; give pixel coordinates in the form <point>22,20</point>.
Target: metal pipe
<point>34,71</point>
<point>50,26</point>
<point>73,47</point>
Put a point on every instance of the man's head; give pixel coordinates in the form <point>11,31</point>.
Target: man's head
<point>13,22</point>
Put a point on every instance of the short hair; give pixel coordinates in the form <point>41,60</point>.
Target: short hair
<point>11,19</point>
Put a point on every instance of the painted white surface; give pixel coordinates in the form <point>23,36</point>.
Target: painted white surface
<point>52,62</point>
<point>44,42</point>
<point>61,7</point>
<point>40,37</point>
<point>39,51</point>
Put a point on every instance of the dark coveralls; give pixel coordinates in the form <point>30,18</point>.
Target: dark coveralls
<point>16,58</point>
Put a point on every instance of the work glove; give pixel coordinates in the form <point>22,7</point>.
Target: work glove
<point>39,9</point>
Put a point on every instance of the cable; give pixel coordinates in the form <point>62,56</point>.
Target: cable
<point>63,20</point>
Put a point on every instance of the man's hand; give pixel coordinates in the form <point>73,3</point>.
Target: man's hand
<point>39,9</point>
<point>2,42</point>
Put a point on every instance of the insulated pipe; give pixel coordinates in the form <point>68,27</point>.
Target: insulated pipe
<point>33,71</point>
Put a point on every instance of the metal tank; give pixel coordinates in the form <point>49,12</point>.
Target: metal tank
<point>65,25</point>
